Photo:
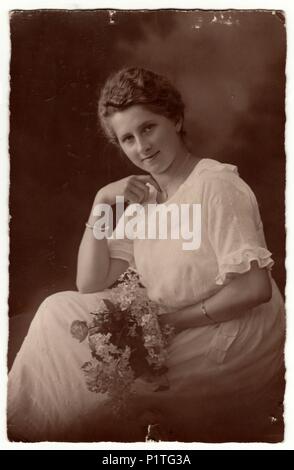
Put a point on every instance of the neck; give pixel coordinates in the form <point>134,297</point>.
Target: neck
<point>176,173</point>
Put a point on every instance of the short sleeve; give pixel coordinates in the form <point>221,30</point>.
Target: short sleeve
<point>119,245</point>
<point>235,228</point>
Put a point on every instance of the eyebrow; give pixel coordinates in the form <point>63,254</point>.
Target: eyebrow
<point>143,124</point>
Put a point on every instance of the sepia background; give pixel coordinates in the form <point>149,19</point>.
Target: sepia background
<point>230,68</point>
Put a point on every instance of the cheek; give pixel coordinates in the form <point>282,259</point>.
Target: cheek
<point>167,135</point>
<point>126,149</point>
<point>166,139</point>
<point>159,137</point>
<point>131,155</point>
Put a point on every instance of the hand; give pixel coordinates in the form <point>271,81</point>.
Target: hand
<point>182,319</point>
<point>133,188</point>
<point>169,319</point>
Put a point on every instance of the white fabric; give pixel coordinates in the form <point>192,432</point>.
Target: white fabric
<point>232,236</point>
<point>210,368</point>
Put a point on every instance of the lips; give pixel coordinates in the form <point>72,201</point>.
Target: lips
<point>151,157</point>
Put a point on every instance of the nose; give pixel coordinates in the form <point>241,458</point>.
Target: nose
<point>143,146</point>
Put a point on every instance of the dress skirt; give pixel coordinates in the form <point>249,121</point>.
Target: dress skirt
<point>225,380</point>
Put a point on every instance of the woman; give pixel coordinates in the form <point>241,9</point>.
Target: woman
<point>226,361</point>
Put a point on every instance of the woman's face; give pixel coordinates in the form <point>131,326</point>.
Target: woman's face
<point>151,141</point>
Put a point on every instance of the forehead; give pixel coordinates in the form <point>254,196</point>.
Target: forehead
<point>131,119</point>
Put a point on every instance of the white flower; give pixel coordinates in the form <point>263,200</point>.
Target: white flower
<point>100,307</point>
<point>147,318</point>
<point>109,370</point>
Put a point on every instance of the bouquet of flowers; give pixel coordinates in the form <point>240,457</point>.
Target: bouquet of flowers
<point>126,342</point>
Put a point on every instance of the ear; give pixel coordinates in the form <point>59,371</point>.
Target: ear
<point>179,124</point>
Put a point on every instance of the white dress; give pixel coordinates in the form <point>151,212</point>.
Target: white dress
<point>219,374</point>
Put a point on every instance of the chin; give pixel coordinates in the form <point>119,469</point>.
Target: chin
<point>165,166</point>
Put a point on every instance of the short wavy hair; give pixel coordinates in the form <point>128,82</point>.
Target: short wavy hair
<point>138,86</point>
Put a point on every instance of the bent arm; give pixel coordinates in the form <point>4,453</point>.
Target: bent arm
<point>243,293</point>
<point>96,271</point>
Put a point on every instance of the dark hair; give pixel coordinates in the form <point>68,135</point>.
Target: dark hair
<point>137,86</point>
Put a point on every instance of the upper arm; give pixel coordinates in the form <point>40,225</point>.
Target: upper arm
<point>235,229</point>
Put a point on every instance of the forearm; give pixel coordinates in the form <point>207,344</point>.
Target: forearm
<point>93,260</point>
<point>93,263</point>
<point>241,294</point>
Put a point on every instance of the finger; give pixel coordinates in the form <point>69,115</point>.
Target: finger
<point>154,183</point>
<point>161,321</point>
<point>133,195</point>
<point>142,187</point>
<point>139,187</point>
<point>151,180</point>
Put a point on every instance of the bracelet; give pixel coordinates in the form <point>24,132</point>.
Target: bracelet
<point>101,229</point>
<point>98,232</point>
<point>204,311</point>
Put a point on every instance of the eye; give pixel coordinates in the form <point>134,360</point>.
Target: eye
<point>148,128</point>
<point>128,139</point>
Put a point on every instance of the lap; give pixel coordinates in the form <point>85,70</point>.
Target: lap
<point>47,380</point>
